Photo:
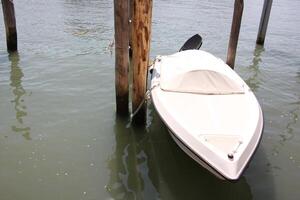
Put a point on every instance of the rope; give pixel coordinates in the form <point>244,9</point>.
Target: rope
<point>148,92</point>
<point>145,99</point>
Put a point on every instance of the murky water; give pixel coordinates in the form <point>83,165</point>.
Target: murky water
<point>60,138</point>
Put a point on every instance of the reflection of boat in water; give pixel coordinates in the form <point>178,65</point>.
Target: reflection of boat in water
<point>147,164</point>
<point>210,111</point>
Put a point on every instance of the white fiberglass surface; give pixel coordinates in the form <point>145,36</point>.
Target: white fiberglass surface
<point>214,126</point>
<point>212,114</point>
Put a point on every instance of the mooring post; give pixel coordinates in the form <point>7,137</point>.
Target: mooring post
<point>264,20</point>
<point>10,24</point>
<point>235,31</point>
<point>141,31</point>
<point>121,14</point>
<point>130,27</point>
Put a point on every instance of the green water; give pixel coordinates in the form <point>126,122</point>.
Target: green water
<point>59,135</point>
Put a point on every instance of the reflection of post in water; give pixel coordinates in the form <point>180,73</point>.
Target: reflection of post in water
<point>129,165</point>
<point>253,79</point>
<point>16,76</point>
<point>293,116</point>
<point>289,130</point>
<point>289,133</point>
<point>124,180</point>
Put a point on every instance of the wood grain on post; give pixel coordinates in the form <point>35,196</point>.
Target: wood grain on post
<point>130,27</point>
<point>264,20</point>
<point>235,31</point>
<point>141,32</point>
<point>121,56</point>
<point>10,24</point>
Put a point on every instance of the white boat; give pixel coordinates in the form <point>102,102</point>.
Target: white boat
<point>209,110</point>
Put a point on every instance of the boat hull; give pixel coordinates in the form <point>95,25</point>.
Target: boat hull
<point>202,162</point>
<point>196,157</point>
<point>219,129</point>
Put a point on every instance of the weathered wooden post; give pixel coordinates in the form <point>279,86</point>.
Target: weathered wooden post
<point>130,27</point>
<point>141,31</point>
<point>121,55</point>
<point>10,24</point>
<point>235,31</point>
<point>264,20</point>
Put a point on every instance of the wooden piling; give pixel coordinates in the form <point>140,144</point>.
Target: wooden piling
<point>235,31</point>
<point>130,27</point>
<point>264,20</point>
<point>141,32</point>
<point>10,24</point>
<point>121,14</point>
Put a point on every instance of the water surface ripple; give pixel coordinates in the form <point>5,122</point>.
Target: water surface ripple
<point>60,138</point>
